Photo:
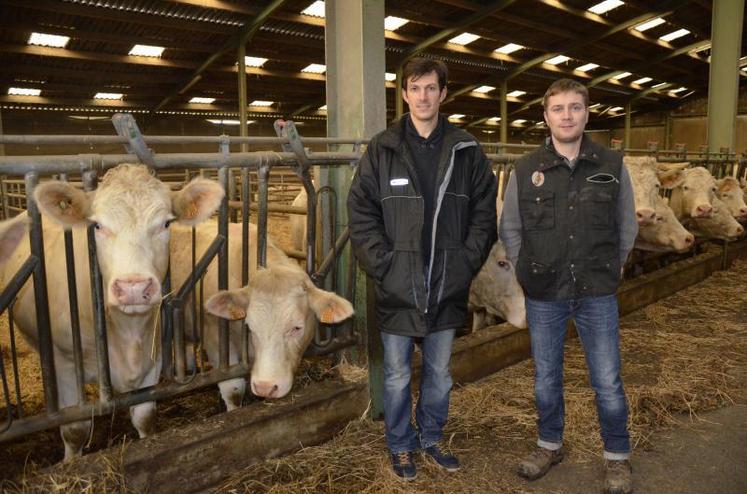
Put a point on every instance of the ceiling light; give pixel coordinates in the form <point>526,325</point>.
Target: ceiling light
<point>509,48</point>
<point>516,94</point>
<point>658,85</point>
<point>52,40</point>
<point>228,121</point>
<point>146,51</point>
<point>621,76</point>
<point>681,88</point>
<point>108,96</point>
<point>323,107</point>
<point>616,108</point>
<point>260,102</point>
<point>494,119</point>
<point>518,121</point>
<point>649,24</point>
<point>674,35</point>
<point>605,6</point>
<point>587,67</point>
<point>200,99</point>
<point>484,89</point>
<point>315,68</point>
<point>24,91</point>
<point>392,23</point>
<point>464,39</point>
<point>316,9</point>
<point>642,80</point>
<point>557,59</point>
<point>389,76</point>
<point>456,116</point>
<point>254,61</point>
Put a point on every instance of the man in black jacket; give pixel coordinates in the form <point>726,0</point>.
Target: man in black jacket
<point>422,217</point>
<point>568,224</point>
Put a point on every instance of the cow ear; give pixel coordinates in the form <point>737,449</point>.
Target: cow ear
<point>11,234</point>
<point>229,304</point>
<point>671,179</point>
<point>197,201</point>
<point>726,184</point>
<point>329,307</point>
<point>63,203</point>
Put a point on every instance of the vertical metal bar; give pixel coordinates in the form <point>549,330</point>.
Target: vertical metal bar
<point>46,354</point>
<point>223,266</point>
<point>263,173</point>
<point>179,350</point>
<point>233,214</point>
<point>14,362</point>
<point>311,201</point>
<point>72,293</point>
<point>246,195</point>
<point>167,330</point>
<point>99,311</point>
<point>6,394</point>
<point>375,354</point>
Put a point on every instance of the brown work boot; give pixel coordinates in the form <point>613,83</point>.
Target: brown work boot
<point>618,477</point>
<point>539,462</point>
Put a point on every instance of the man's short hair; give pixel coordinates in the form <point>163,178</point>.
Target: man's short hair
<point>419,66</point>
<point>565,86</point>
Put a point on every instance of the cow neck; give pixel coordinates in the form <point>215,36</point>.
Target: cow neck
<point>676,203</point>
<point>133,327</point>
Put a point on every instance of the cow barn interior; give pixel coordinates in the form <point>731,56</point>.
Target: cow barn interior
<point>204,89</point>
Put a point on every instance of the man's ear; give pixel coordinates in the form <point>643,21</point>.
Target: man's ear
<point>444,91</point>
<point>229,304</point>
<point>197,201</point>
<point>64,203</point>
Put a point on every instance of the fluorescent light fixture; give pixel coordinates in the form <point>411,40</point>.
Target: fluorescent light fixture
<point>621,76</point>
<point>494,119</point>
<point>146,51</point>
<point>316,9</point>
<point>649,24</point>
<point>456,116</point>
<point>389,76</point>
<point>616,108</point>
<point>674,35</point>
<point>509,48</point>
<point>108,96</point>
<point>52,40</point>
<point>24,91</point>
<point>488,131</point>
<point>679,89</point>
<point>595,105</point>
<point>642,80</point>
<point>254,61</point>
<point>464,39</point>
<point>260,102</point>
<point>556,60</point>
<point>392,23</point>
<point>518,121</point>
<point>658,85</point>
<point>587,67</point>
<point>605,6</point>
<point>315,68</point>
<point>200,99</point>
<point>323,107</point>
<point>228,121</point>
<point>516,94</point>
<point>484,89</point>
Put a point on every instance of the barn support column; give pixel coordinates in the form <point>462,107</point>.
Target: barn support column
<point>356,107</point>
<point>243,131</point>
<point>668,129</point>
<point>2,146</point>
<point>504,113</point>
<point>626,136</point>
<point>723,84</point>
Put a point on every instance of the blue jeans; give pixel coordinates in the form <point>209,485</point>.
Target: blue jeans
<point>432,408</point>
<point>597,323</point>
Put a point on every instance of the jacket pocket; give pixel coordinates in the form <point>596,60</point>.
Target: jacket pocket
<point>452,276</point>
<point>538,209</point>
<point>397,287</point>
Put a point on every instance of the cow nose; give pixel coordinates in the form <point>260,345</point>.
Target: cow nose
<point>134,291</point>
<point>689,239</point>
<point>704,210</point>
<point>645,216</point>
<point>740,230</point>
<point>265,389</point>
<point>742,212</point>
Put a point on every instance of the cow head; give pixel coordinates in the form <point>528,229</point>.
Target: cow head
<point>646,185</point>
<point>131,211</point>
<point>666,233</point>
<point>721,224</point>
<point>731,194</point>
<point>281,307</point>
<point>694,193</point>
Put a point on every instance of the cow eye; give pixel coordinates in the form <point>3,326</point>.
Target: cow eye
<point>97,226</point>
<point>502,264</point>
<point>168,223</point>
<point>296,329</point>
<point>685,187</point>
<point>713,189</point>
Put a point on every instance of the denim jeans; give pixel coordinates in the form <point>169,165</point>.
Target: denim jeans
<point>432,408</point>
<point>598,327</point>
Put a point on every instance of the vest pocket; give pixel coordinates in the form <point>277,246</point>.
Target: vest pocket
<point>536,278</point>
<point>600,206</point>
<point>538,208</point>
<point>603,277</point>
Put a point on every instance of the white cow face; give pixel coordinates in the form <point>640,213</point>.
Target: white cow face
<point>666,233</point>
<point>732,195</point>
<point>694,195</point>
<point>131,211</point>
<point>721,224</point>
<point>646,185</point>
<point>281,306</point>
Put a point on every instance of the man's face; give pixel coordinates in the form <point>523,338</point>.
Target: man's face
<point>423,96</point>
<point>566,116</point>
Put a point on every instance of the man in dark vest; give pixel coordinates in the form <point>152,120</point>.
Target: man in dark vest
<point>422,219</point>
<point>568,225</point>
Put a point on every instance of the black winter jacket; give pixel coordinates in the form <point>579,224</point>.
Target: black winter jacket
<point>385,212</point>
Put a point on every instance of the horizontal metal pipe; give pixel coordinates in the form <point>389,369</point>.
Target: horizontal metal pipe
<point>95,139</point>
<point>271,208</point>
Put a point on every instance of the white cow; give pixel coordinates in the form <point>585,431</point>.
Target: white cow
<point>693,195</point>
<point>131,211</point>
<point>732,196</point>
<point>280,304</point>
<point>666,233</point>
<point>11,233</point>
<point>646,185</point>
<point>298,223</point>
<point>495,291</point>
<point>721,224</point>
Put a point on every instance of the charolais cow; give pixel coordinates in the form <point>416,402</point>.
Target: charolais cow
<point>646,184</point>
<point>732,195</point>
<point>721,224</point>
<point>298,223</point>
<point>494,291</point>
<point>693,195</point>
<point>280,304</point>
<point>131,211</point>
<point>11,233</point>
<point>666,233</point>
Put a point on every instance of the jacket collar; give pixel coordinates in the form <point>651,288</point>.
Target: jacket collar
<point>393,137</point>
<point>589,152</point>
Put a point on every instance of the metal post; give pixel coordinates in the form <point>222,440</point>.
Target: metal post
<point>626,137</point>
<point>223,267</point>
<point>504,112</point>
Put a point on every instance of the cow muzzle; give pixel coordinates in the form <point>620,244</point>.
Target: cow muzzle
<point>134,290</point>
<point>703,211</point>
<point>270,389</point>
<point>645,216</point>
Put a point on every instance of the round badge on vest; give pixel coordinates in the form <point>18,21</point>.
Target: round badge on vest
<point>538,178</point>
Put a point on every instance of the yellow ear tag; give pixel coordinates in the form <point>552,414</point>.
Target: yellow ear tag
<point>237,313</point>
<point>328,316</point>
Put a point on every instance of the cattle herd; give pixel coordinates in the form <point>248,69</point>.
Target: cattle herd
<point>132,214</point>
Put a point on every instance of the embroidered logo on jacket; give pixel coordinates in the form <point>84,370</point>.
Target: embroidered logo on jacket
<point>538,178</point>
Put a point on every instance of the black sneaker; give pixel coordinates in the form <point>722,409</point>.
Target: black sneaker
<point>404,466</point>
<point>444,459</point>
